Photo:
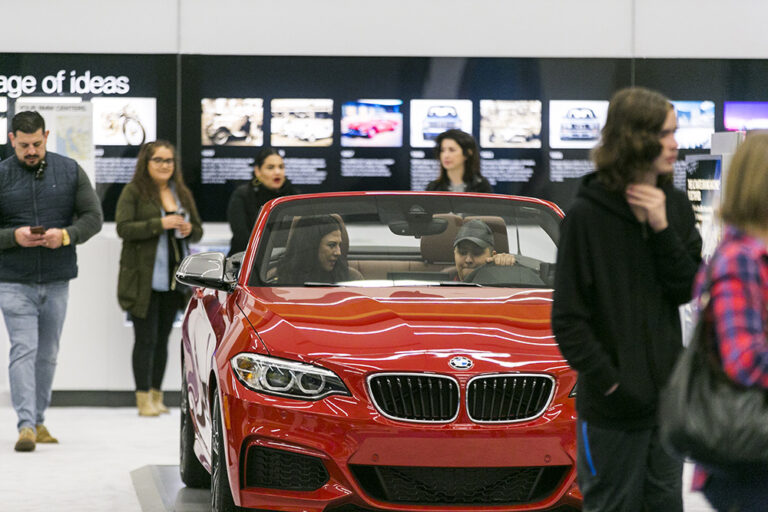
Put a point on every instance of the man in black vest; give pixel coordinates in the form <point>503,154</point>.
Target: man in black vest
<point>47,206</point>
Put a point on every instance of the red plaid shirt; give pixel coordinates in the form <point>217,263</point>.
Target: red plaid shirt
<point>739,297</point>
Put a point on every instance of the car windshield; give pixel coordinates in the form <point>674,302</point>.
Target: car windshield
<point>581,113</point>
<point>442,112</point>
<point>405,240</point>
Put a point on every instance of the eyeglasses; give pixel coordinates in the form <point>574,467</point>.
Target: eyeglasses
<point>162,161</point>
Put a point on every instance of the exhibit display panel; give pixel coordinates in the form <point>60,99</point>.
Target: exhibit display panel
<point>369,123</point>
<point>132,99</point>
<point>355,123</point>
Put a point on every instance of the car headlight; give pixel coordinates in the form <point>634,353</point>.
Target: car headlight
<point>286,378</point>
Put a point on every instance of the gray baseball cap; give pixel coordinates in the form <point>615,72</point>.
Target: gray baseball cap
<point>477,232</point>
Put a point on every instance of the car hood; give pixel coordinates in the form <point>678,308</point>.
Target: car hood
<point>406,328</point>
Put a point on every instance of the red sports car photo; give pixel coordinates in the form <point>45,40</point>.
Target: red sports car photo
<point>369,128</point>
<point>380,351</point>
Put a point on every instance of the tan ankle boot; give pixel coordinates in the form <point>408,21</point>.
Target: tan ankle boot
<point>157,401</point>
<point>43,436</point>
<point>145,405</point>
<point>26,442</point>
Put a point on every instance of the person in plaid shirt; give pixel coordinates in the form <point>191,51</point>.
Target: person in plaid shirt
<point>739,298</point>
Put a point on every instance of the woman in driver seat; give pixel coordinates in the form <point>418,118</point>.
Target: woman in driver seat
<point>474,247</point>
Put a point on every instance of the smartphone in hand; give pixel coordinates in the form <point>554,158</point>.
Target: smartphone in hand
<point>37,230</point>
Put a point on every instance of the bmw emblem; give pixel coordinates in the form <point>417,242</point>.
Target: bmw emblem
<point>461,363</point>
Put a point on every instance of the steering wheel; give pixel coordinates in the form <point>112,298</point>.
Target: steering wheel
<point>515,275</point>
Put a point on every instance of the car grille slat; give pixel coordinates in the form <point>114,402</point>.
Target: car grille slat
<point>526,397</point>
<point>415,397</point>
<point>475,486</point>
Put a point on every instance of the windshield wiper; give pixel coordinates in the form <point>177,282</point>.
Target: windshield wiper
<point>318,283</point>
<point>458,283</point>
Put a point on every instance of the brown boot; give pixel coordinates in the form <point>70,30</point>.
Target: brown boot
<point>26,442</point>
<point>43,436</point>
<point>145,405</point>
<point>157,401</point>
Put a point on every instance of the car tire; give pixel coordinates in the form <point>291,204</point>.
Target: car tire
<point>221,136</point>
<point>193,474</point>
<point>221,494</point>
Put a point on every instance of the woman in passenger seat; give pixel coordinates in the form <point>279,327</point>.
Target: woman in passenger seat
<point>314,253</point>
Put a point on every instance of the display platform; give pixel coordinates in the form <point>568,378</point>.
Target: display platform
<point>159,489</point>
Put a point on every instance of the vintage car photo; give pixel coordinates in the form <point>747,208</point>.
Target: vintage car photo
<point>232,121</point>
<point>510,123</point>
<point>576,123</point>
<point>359,357</point>
<point>301,122</point>
<point>430,118</point>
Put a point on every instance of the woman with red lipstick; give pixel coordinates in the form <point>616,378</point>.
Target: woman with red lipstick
<point>268,182</point>
<point>459,164</point>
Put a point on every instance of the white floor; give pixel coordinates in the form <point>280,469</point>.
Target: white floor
<point>89,470</point>
<point>100,448</point>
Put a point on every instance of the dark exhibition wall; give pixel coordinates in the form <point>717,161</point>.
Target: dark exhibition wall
<point>368,123</point>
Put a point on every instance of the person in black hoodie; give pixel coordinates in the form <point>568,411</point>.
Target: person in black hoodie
<point>268,182</point>
<point>629,250</point>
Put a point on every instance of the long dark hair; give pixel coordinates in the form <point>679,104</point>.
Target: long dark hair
<point>630,138</point>
<point>299,264</point>
<point>468,148</point>
<point>146,184</point>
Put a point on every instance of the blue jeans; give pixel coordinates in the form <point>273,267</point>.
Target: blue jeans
<point>34,315</point>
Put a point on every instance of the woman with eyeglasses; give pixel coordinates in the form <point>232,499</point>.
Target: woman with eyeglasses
<point>156,217</point>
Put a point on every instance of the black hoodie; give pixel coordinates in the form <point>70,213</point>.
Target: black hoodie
<point>615,312</point>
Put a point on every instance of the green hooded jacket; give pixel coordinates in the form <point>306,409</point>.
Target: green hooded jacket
<point>139,224</point>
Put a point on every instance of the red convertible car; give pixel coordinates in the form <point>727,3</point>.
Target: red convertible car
<point>360,357</point>
<point>370,128</point>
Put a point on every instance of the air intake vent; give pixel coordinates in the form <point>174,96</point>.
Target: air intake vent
<point>278,469</point>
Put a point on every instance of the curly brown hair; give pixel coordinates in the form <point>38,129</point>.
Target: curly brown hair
<point>630,138</point>
<point>146,185</point>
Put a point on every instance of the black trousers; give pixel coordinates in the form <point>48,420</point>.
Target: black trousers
<point>627,471</point>
<point>150,347</point>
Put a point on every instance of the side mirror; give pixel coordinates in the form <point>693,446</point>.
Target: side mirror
<point>205,270</point>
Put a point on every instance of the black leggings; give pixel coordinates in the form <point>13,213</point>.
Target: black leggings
<point>150,347</point>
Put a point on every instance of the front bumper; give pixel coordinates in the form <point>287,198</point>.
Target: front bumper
<point>340,453</point>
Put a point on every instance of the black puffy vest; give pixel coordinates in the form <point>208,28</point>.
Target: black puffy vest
<point>49,202</point>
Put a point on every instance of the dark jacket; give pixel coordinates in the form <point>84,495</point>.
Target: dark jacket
<point>139,223</point>
<point>478,184</point>
<point>615,313</point>
<point>61,197</point>
<point>244,206</point>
